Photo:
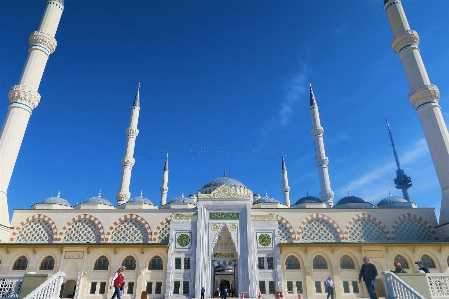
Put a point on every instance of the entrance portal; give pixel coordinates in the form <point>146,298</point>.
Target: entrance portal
<point>224,277</point>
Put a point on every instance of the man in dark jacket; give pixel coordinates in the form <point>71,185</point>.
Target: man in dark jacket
<point>369,273</point>
<point>421,266</point>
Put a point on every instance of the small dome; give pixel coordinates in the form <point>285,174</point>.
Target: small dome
<point>350,199</point>
<point>391,199</point>
<point>99,200</point>
<point>141,200</point>
<point>183,199</point>
<point>265,199</point>
<point>308,199</point>
<point>223,181</point>
<point>57,200</point>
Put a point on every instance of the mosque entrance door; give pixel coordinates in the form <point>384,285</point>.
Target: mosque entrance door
<point>224,263</point>
<point>224,276</point>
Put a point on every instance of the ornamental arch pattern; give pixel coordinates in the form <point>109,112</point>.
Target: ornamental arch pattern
<point>285,231</point>
<point>129,218</point>
<point>162,230</point>
<point>93,219</point>
<point>42,217</point>
<point>327,229</point>
<point>364,227</point>
<point>411,227</point>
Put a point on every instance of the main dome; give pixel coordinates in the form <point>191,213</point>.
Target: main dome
<point>223,181</point>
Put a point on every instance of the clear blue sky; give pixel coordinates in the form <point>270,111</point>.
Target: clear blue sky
<point>224,84</point>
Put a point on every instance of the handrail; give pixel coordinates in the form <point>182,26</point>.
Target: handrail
<point>398,289</point>
<point>10,286</point>
<point>438,285</point>
<point>49,289</point>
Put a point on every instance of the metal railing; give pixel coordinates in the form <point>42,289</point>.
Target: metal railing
<point>50,289</point>
<point>10,286</point>
<point>398,289</point>
<point>438,285</point>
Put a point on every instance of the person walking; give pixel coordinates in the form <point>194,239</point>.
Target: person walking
<point>421,266</point>
<point>398,268</point>
<point>369,273</point>
<point>330,287</point>
<point>117,282</point>
<point>202,292</point>
<point>224,292</point>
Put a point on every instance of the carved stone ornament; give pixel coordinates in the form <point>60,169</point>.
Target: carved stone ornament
<point>410,37</point>
<point>129,161</point>
<point>24,95</point>
<point>223,216</point>
<point>180,217</point>
<point>122,195</point>
<point>61,2</point>
<point>132,132</point>
<point>317,131</point>
<point>227,191</point>
<point>268,217</point>
<point>322,161</point>
<point>422,94</point>
<point>43,41</point>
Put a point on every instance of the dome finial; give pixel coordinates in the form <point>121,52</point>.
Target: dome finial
<point>99,194</point>
<point>266,194</point>
<point>389,192</point>
<point>182,193</point>
<point>349,194</point>
<point>59,194</point>
<point>141,193</point>
<point>307,192</point>
<point>224,173</point>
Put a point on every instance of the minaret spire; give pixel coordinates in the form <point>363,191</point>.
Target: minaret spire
<point>402,181</point>
<point>164,187</point>
<point>285,187</point>
<point>24,97</point>
<point>423,96</point>
<point>326,194</point>
<point>128,161</point>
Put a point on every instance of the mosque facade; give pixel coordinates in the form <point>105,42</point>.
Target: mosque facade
<point>224,232</point>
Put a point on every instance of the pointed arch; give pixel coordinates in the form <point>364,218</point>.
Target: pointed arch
<point>319,217</point>
<point>36,217</point>
<point>420,224</point>
<point>287,225</point>
<point>161,226</point>
<point>93,219</point>
<point>127,218</point>
<point>367,217</point>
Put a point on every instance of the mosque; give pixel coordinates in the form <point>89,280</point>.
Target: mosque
<point>223,232</point>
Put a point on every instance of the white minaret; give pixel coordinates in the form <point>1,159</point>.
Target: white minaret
<point>423,96</point>
<point>285,187</point>
<point>164,187</point>
<point>326,194</point>
<point>24,97</point>
<point>128,161</point>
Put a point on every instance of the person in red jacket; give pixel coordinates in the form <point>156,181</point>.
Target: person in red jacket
<point>117,282</point>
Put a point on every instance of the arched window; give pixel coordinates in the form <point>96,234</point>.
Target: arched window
<point>156,263</point>
<point>102,263</point>
<point>346,262</point>
<point>400,259</point>
<point>319,262</point>
<point>21,263</point>
<point>48,263</point>
<point>129,262</point>
<point>292,263</point>
<point>427,261</point>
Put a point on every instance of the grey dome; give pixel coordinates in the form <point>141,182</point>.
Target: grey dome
<point>57,200</point>
<point>266,199</point>
<point>391,199</point>
<point>99,199</point>
<point>141,200</point>
<point>308,199</point>
<point>223,181</point>
<point>350,199</point>
<point>183,199</point>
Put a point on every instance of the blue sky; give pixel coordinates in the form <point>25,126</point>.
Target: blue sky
<point>224,85</point>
